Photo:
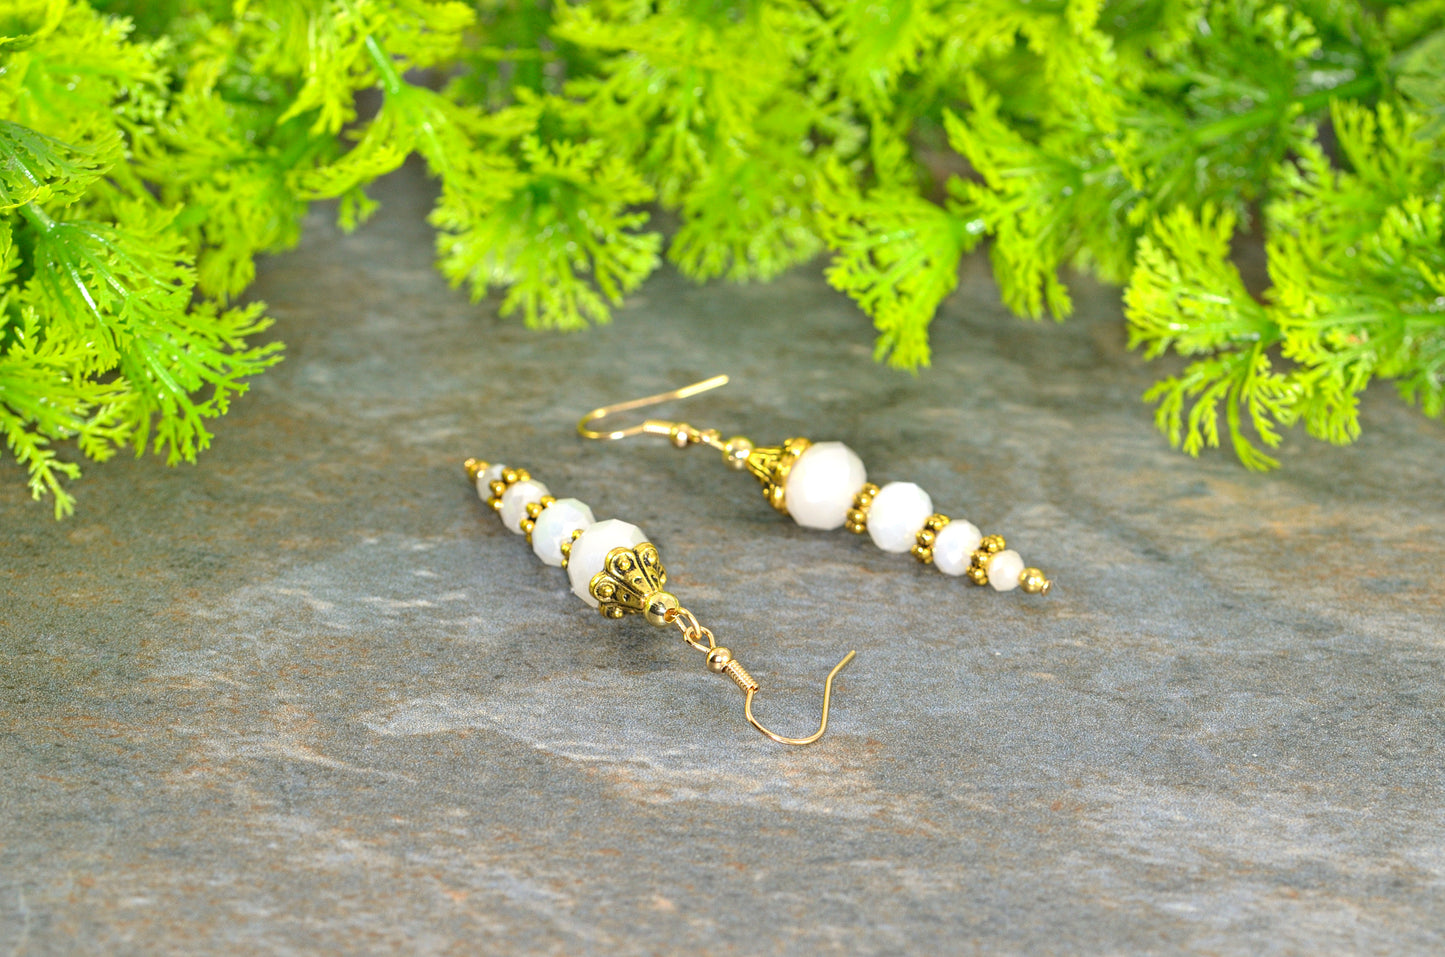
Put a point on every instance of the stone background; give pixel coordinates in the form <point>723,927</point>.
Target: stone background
<point>310,696</point>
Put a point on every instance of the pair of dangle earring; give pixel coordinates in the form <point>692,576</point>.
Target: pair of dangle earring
<point>614,568</point>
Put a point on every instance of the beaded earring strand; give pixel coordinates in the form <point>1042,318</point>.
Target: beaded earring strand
<point>824,485</point>
<point>614,568</point>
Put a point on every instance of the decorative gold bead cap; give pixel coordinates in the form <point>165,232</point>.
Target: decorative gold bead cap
<point>771,464</point>
<point>630,583</point>
<point>857,521</point>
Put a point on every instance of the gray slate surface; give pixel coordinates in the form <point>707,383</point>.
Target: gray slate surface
<point>310,696</point>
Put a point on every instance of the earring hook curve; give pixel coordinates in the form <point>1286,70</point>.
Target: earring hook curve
<point>822,725</point>
<point>649,426</point>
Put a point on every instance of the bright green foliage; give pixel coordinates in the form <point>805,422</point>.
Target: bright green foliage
<point>149,152</point>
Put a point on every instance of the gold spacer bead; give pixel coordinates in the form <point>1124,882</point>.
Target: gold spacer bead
<point>857,528</point>
<point>993,544</point>
<point>474,467</point>
<point>526,525</point>
<point>868,490</point>
<point>523,475</point>
<point>546,501</point>
<point>977,574</point>
<point>927,536</point>
<point>534,509</point>
<point>659,605</point>
<point>497,488</point>
<point>923,553</point>
<point>936,522</point>
<point>510,476</point>
<point>735,452</point>
<point>1033,582</point>
<point>718,660</point>
<point>496,503</point>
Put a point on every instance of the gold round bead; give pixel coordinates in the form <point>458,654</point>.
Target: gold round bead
<point>546,501</point>
<point>510,476</point>
<point>679,435</point>
<point>497,488</point>
<point>1032,581</point>
<point>526,525</point>
<point>736,451</point>
<point>993,544</point>
<point>659,604</point>
<point>496,503</point>
<point>523,475</point>
<point>474,467</point>
<point>718,659</point>
<point>534,509</point>
<point>923,553</point>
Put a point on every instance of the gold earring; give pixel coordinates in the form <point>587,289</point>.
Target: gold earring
<point>824,485</point>
<point>614,568</point>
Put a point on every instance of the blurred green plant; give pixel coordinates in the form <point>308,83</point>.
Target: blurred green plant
<point>150,151</point>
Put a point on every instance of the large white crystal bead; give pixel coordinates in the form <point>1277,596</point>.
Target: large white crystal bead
<point>1004,569</point>
<point>953,548</point>
<point>897,515</point>
<point>486,477</point>
<point>821,484</point>
<point>516,499</point>
<point>555,525</point>
<point>585,558</point>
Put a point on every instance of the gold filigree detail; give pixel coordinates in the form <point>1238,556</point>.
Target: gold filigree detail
<point>631,582</point>
<point>771,464</point>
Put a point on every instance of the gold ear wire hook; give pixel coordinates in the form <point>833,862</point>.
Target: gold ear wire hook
<point>648,426</point>
<point>822,725</point>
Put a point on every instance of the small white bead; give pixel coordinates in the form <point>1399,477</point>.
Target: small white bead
<point>897,515</point>
<point>555,525</point>
<point>516,499</point>
<point>821,485</point>
<point>591,548</point>
<point>1004,569</point>
<point>486,477</point>
<point>954,547</point>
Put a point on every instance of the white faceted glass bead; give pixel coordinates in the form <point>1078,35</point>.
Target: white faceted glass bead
<point>954,547</point>
<point>897,515</point>
<point>516,499</point>
<point>555,525</point>
<point>486,477</point>
<point>585,558</point>
<point>821,484</point>
<point>1004,569</point>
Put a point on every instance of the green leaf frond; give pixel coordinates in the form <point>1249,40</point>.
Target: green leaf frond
<point>556,230</point>
<point>896,254</point>
<point>1186,296</point>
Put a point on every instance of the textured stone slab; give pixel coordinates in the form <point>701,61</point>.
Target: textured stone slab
<point>310,696</point>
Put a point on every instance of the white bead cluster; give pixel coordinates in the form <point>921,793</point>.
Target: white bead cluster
<point>827,487</point>
<point>554,523</point>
